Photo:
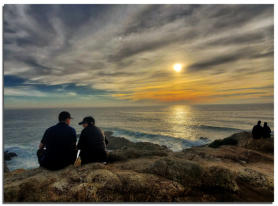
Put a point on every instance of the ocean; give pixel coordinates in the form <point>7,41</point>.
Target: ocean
<point>177,126</point>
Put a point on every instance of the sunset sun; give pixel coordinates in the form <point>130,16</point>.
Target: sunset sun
<point>177,67</point>
<point>162,95</point>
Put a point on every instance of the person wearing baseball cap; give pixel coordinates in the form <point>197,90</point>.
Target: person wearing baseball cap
<point>92,142</point>
<point>57,148</point>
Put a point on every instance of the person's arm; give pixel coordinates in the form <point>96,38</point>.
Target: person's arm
<point>41,146</point>
<point>253,131</point>
<point>81,140</point>
<point>106,141</point>
<point>74,140</point>
<point>104,136</point>
<point>43,141</point>
<point>74,147</point>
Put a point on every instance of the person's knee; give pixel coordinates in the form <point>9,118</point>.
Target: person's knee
<point>41,156</point>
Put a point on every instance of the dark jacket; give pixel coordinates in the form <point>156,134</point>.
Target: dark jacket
<point>257,131</point>
<point>92,144</point>
<point>60,146</point>
<point>266,132</point>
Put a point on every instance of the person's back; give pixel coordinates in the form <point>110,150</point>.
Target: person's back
<point>59,144</point>
<point>257,131</point>
<point>266,131</point>
<point>92,144</point>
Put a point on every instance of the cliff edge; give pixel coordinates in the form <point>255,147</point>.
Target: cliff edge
<point>235,169</point>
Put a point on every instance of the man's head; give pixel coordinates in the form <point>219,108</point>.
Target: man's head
<point>259,122</point>
<point>64,117</point>
<point>265,124</point>
<point>87,121</point>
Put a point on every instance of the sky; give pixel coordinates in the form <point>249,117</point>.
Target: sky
<point>123,55</point>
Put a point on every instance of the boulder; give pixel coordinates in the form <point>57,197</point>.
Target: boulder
<point>146,172</point>
<point>9,155</point>
<point>6,169</point>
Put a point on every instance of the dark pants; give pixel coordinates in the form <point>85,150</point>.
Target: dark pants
<point>53,163</point>
<point>257,136</point>
<point>41,156</point>
<point>97,156</point>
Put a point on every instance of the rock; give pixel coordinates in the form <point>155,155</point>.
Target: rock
<point>118,143</point>
<point>146,172</point>
<point>142,187</point>
<point>185,172</point>
<point>263,145</point>
<point>219,178</point>
<point>128,150</point>
<point>6,169</point>
<point>9,155</point>
<point>244,139</point>
<point>243,162</point>
<point>227,141</point>
<point>256,179</point>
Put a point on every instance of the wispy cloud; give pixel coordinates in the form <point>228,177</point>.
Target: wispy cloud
<point>23,91</point>
<point>120,50</point>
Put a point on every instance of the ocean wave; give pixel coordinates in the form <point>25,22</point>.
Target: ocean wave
<point>219,128</point>
<point>26,157</point>
<point>173,143</point>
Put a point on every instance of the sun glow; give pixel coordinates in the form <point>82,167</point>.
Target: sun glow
<point>177,67</point>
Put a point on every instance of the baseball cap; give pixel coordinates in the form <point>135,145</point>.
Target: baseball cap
<point>64,115</point>
<point>88,120</point>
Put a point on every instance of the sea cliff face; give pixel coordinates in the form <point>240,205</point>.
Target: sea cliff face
<point>238,170</point>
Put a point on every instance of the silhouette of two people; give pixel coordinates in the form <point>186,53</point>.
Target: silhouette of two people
<point>58,148</point>
<point>261,132</point>
<point>266,131</point>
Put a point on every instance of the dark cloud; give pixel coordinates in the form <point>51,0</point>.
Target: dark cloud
<point>234,40</point>
<point>264,54</point>
<point>115,74</point>
<point>218,60</point>
<point>230,16</point>
<point>153,16</point>
<point>118,47</point>
<point>134,48</point>
<point>130,49</point>
<point>241,54</point>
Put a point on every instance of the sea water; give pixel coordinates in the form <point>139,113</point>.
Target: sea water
<point>177,126</point>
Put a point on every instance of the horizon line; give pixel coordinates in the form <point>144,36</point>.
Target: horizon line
<point>130,106</point>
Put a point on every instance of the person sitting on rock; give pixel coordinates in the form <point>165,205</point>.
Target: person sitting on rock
<point>257,131</point>
<point>92,142</point>
<point>58,145</point>
<point>266,131</point>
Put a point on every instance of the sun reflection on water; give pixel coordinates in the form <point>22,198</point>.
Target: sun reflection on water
<point>180,121</point>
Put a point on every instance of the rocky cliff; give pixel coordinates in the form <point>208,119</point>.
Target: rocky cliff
<point>227,170</point>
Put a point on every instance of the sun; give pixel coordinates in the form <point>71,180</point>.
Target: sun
<point>177,67</point>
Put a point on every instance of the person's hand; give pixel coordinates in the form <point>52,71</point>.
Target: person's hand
<point>41,146</point>
<point>77,162</point>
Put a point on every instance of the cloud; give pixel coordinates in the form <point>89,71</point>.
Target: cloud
<point>71,94</point>
<point>235,40</point>
<point>23,92</point>
<point>120,49</point>
<point>215,61</point>
<point>251,88</point>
